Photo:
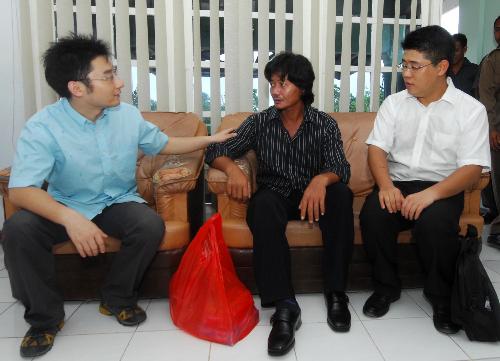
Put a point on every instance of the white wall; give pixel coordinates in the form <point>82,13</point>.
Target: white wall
<point>13,109</point>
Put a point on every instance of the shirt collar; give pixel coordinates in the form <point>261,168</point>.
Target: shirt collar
<point>308,114</point>
<point>80,119</point>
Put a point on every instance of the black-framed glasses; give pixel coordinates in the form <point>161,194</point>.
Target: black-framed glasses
<point>411,67</point>
<point>112,77</point>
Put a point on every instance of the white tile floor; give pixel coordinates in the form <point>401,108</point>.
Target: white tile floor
<point>405,333</point>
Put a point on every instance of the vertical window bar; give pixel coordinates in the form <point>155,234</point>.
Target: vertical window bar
<point>84,17</point>
<point>64,15</point>
<point>297,29</point>
<point>43,35</point>
<point>214,66</point>
<point>345,63</point>
<point>360,94</point>
<point>103,21</point>
<point>123,49</point>
<point>176,55</point>
<point>314,41</point>
<point>142,53</point>
<point>263,49</point>
<point>197,58</point>
<point>329,55</point>
<point>231,56</point>
<point>395,46</point>
<point>413,11</point>
<point>245,50</point>
<point>187,6</point>
<point>279,25</point>
<point>161,56</point>
<point>378,12</point>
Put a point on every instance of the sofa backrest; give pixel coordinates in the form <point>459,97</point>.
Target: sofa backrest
<point>355,128</point>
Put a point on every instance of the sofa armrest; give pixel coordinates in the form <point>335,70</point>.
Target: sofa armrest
<point>217,181</point>
<point>173,181</point>
<point>4,181</point>
<point>8,207</point>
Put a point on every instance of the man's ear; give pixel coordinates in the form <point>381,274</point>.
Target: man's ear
<point>443,66</point>
<point>465,49</point>
<point>76,88</point>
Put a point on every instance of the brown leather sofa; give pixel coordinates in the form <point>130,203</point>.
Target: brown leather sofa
<point>171,185</point>
<point>305,241</point>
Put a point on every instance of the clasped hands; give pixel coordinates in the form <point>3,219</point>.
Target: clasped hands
<point>411,206</point>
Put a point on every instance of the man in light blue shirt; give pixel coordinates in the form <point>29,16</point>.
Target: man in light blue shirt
<point>85,146</point>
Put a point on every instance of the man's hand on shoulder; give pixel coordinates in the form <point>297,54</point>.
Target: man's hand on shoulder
<point>238,186</point>
<point>390,198</point>
<point>85,235</point>
<point>312,204</point>
<point>415,203</point>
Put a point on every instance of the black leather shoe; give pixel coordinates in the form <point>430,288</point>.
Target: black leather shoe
<point>442,320</point>
<point>378,305</point>
<point>339,317</point>
<point>494,240</point>
<point>282,336</point>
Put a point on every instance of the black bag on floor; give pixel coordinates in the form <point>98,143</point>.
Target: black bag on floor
<point>474,302</point>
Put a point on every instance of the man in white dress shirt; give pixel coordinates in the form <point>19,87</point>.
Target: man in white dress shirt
<point>429,143</point>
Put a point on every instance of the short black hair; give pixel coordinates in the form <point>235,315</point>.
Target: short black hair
<point>297,69</point>
<point>69,59</point>
<point>433,41</point>
<point>461,38</point>
<point>498,18</point>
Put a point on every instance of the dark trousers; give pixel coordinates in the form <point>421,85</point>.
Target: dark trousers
<point>268,215</point>
<point>28,241</point>
<point>435,233</point>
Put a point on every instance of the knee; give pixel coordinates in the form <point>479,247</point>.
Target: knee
<point>340,194</point>
<point>372,214</point>
<point>18,230</point>
<point>151,227</point>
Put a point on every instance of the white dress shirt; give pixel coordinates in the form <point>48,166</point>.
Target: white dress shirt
<point>430,142</point>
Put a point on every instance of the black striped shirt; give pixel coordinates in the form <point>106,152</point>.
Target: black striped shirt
<point>288,164</point>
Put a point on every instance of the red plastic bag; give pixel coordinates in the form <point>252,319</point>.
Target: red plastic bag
<point>207,299</point>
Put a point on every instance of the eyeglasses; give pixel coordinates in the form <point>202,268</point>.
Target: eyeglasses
<point>107,78</point>
<point>410,67</point>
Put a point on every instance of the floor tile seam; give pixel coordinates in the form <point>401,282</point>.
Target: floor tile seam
<point>460,347</point>
<point>395,318</point>
<point>209,351</point>
<point>373,341</point>
<point>73,313</point>
<point>126,346</point>
<point>414,300</point>
<point>158,330</point>
<point>11,305</point>
<point>95,333</point>
<point>15,337</point>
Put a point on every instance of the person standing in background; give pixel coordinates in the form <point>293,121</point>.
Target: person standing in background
<point>489,95</point>
<point>463,72</point>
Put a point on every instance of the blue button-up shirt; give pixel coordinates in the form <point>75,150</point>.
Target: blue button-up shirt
<point>88,165</point>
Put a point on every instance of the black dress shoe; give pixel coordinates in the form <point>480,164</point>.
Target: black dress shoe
<point>494,240</point>
<point>378,305</point>
<point>282,336</point>
<point>339,317</point>
<point>442,320</point>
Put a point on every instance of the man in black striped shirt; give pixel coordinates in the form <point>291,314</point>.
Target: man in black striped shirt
<point>302,173</point>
